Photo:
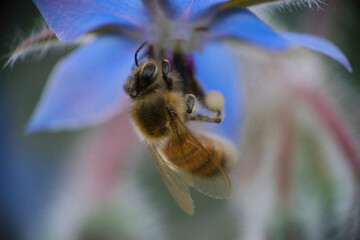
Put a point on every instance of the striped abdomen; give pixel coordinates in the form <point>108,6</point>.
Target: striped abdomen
<point>202,156</point>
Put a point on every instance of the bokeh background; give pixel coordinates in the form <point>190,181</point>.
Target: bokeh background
<point>100,182</point>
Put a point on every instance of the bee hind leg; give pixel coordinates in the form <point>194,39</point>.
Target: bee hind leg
<point>190,104</point>
<point>207,118</point>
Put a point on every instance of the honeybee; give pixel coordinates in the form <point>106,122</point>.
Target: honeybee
<point>160,110</point>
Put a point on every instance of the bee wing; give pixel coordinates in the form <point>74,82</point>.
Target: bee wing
<point>177,187</point>
<point>215,185</point>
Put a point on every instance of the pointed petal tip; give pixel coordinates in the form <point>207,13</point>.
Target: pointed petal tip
<point>34,127</point>
<point>320,45</point>
<point>36,124</point>
<point>349,68</point>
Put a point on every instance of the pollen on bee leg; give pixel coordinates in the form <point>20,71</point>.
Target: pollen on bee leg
<point>214,100</point>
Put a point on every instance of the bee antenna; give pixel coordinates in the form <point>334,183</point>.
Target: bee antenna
<point>137,51</point>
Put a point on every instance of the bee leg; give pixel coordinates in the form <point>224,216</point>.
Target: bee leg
<point>207,118</point>
<point>190,103</point>
<point>171,110</point>
<point>214,101</point>
<point>165,73</point>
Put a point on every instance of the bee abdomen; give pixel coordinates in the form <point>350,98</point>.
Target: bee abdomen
<point>213,163</point>
<point>205,160</point>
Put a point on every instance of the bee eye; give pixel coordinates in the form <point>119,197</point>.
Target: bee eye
<point>147,74</point>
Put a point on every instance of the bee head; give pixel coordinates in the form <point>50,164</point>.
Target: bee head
<point>147,74</point>
<point>143,79</point>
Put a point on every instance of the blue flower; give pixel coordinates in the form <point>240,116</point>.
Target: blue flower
<point>86,87</point>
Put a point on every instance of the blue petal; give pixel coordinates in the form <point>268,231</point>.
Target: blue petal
<point>86,87</point>
<point>187,9</point>
<point>71,18</point>
<point>216,69</point>
<point>239,23</point>
<point>320,45</point>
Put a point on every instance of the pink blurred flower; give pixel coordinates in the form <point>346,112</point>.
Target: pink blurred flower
<point>300,167</point>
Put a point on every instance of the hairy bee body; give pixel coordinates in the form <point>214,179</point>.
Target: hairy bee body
<point>150,114</point>
<point>153,121</point>
<point>160,109</point>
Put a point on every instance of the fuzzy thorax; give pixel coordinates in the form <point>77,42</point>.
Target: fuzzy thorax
<point>151,116</point>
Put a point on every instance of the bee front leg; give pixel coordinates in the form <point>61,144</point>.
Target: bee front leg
<point>190,103</point>
<point>165,73</point>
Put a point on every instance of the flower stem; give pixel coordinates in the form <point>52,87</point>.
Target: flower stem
<point>284,154</point>
<point>334,123</point>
